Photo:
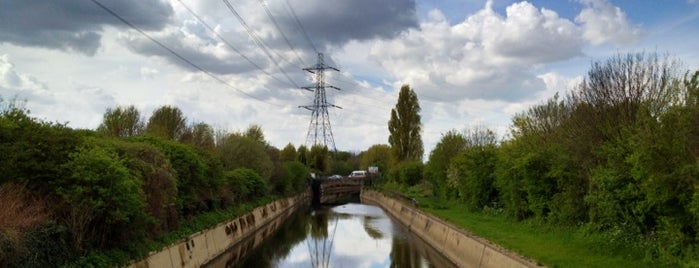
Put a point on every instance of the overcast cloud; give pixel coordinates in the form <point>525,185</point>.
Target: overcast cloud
<point>73,25</point>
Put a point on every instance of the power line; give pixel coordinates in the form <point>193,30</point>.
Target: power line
<point>271,17</point>
<point>182,58</point>
<point>298,23</point>
<point>290,83</point>
<point>258,41</point>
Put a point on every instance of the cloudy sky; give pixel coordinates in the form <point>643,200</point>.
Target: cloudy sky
<point>239,62</point>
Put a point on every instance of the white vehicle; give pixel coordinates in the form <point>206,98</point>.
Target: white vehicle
<point>358,174</point>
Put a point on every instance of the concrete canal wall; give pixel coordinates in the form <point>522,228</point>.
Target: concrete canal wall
<point>462,248</point>
<point>202,247</point>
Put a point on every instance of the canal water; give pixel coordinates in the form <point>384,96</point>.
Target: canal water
<point>349,235</point>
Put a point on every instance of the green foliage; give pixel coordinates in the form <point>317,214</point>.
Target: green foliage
<point>108,195</point>
<point>407,173</point>
<point>378,155</point>
<point>405,127</point>
<point>277,181</point>
<point>190,171</point>
<point>34,152</point>
<point>199,135</point>
<point>474,171</point>
<point>319,159</point>
<point>296,176</point>
<point>509,180</point>
<point>288,153</point>
<point>247,182</point>
<point>47,245</point>
<point>167,122</point>
<point>244,152</point>
<point>255,133</point>
<point>302,155</point>
<point>449,146</point>
<point>213,177</point>
<point>343,162</point>
<point>121,122</point>
<point>107,202</point>
<point>158,180</point>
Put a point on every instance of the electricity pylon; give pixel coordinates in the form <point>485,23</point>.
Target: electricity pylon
<point>319,130</point>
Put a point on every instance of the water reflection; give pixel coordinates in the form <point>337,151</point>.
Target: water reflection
<point>350,235</point>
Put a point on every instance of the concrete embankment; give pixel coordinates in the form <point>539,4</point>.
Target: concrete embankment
<point>462,248</point>
<point>202,247</point>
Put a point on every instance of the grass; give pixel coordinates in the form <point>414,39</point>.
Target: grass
<point>550,245</point>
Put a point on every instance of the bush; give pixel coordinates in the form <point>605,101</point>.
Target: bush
<point>475,172</point>
<point>247,183</point>
<point>190,171</point>
<point>47,245</point>
<point>244,152</point>
<point>296,176</point>
<point>152,168</point>
<point>34,152</point>
<point>104,202</point>
<point>407,173</point>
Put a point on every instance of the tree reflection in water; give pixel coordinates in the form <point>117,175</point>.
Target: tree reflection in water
<point>350,235</point>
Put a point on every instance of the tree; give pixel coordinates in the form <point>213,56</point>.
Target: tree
<point>200,135</point>
<point>319,158</point>
<point>167,122</point>
<point>474,169</point>
<point>255,132</point>
<point>451,144</point>
<point>121,122</point>
<point>302,154</point>
<point>378,155</point>
<point>288,153</point>
<point>405,127</point>
<point>243,152</point>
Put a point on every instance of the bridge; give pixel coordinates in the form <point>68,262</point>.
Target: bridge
<point>329,191</point>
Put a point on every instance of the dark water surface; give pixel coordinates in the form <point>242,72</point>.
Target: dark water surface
<point>349,235</point>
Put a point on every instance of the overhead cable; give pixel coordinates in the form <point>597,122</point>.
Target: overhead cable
<point>258,41</point>
<point>108,10</point>
<point>233,47</point>
<point>271,17</point>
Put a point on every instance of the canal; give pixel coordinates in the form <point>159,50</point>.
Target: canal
<point>347,235</point>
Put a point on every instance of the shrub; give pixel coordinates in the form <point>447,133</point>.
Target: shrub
<point>190,171</point>
<point>408,173</point>
<point>104,202</point>
<point>475,172</point>
<point>296,175</point>
<point>247,182</point>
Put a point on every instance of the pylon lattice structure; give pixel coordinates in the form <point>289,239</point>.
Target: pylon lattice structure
<point>319,130</point>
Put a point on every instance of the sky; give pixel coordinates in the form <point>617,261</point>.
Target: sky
<point>232,64</point>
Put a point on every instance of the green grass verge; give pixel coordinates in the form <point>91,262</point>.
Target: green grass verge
<point>550,245</point>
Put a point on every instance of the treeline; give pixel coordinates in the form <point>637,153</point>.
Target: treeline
<point>65,193</point>
<point>618,154</point>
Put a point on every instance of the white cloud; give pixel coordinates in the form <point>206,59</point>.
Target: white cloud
<point>148,72</point>
<point>487,56</point>
<point>9,78</point>
<point>53,105</point>
<point>603,22</point>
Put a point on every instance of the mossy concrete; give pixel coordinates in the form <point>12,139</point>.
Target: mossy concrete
<point>202,247</point>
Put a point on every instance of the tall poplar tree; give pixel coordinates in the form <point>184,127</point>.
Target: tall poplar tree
<point>405,127</point>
